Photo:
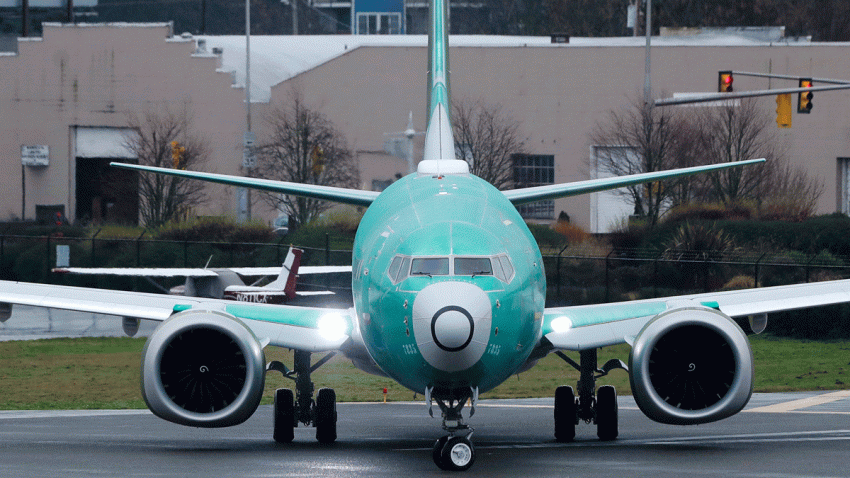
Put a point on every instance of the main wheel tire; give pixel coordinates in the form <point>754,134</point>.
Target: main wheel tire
<point>437,452</point>
<point>284,416</point>
<point>326,416</point>
<point>458,454</point>
<point>606,413</point>
<point>565,414</point>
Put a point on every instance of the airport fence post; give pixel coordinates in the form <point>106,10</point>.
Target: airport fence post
<point>279,243</point>
<point>756,276</point>
<point>3,244</point>
<point>558,268</point>
<point>607,278</point>
<point>139,248</point>
<point>92,247</point>
<point>809,264</point>
<point>47,261</point>
<point>655,274</point>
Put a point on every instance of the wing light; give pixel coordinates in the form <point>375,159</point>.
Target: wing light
<point>332,327</point>
<point>561,324</point>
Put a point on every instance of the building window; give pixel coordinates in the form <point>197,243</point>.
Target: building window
<point>535,170</point>
<point>379,23</point>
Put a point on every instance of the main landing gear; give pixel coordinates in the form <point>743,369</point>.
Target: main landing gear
<point>290,409</point>
<point>454,452</point>
<point>600,409</point>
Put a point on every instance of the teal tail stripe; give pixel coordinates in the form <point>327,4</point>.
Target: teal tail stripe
<point>438,58</point>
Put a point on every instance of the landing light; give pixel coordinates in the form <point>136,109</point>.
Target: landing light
<point>332,326</point>
<point>561,324</point>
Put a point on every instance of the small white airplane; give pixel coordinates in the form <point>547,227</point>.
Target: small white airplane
<point>226,283</point>
<point>448,300</point>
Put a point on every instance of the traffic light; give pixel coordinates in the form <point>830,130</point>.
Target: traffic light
<point>724,81</point>
<point>317,155</point>
<point>783,110</point>
<point>177,155</point>
<point>804,98</point>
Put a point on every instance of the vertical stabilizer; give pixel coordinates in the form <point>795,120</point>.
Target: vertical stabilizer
<point>439,157</point>
<point>288,273</point>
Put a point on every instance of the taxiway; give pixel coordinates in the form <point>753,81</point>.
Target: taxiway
<point>778,435</point>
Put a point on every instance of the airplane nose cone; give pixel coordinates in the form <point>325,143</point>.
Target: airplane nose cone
<point>452,328</point>
<point>451,323</point>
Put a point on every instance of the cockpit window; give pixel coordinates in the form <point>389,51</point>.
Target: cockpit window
<point>430,266</point>
<point>395,265</point>
<point>475,266</point>
<point>507,267</point>
<point>402,267</point>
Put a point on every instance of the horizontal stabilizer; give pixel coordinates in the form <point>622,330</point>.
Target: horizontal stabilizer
<point>356,197</point>
<point>554,191</point>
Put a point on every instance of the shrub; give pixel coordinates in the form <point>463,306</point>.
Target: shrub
<point>216,229</point>
<point>572,233</point>
<point>739,282</point>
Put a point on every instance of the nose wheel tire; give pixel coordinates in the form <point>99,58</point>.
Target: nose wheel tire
<point>284,415</point>
<point>454,453</point>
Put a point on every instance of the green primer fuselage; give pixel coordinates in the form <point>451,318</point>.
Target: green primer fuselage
<point>448,216</point>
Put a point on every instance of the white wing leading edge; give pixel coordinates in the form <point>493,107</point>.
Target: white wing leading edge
<point>590,326</point>
<point>302,328</point>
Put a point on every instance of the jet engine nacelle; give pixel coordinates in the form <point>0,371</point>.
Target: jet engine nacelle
<point>203,369</point>
<point>691,366</point>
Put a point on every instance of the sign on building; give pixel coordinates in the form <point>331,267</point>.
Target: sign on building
<point>36,155</point>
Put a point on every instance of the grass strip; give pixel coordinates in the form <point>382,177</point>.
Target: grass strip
<point>103,373</point>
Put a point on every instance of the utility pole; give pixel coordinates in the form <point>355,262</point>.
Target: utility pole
<point>294,16</point>
<point>25,18</point>
<point>244,194</point>
<point>647,101</point>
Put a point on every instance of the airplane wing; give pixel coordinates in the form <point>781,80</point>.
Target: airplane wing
<point>591,326</point>
<point>356,197</point>
<point>303,328</point>
<point>194,272</point>
<point>140,271</point>
<point>553,191</point>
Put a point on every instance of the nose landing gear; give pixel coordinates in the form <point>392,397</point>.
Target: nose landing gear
<point>455,451</point>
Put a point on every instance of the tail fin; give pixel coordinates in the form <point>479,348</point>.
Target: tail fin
<point>288,273</point>
<point>439,157</point>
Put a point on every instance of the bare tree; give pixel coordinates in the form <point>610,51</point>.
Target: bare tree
<point>165,139</point>
<point>487,138</point>
<point>736,132</point>
<point>739,131</point>
<point>642,139</point>
<point>304,147</point>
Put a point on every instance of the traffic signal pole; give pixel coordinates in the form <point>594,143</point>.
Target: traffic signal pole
<point>746,94</point>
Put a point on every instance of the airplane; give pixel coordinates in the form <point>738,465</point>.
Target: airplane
<point>448,300</point>
<point>226,283</point>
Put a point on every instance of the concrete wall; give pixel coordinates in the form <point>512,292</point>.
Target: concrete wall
<point>92,76</point>
<point>95,76</point>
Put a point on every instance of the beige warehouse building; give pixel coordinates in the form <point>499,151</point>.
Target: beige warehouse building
<point>65,100</point>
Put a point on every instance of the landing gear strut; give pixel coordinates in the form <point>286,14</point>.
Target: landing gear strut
<point>290,409</point>
<point>454,452</point>
<point>600,409</point>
